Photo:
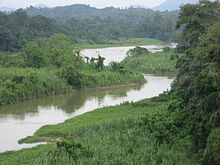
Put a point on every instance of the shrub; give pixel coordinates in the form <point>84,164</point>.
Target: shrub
<point>212,152</point>
<point>138,51</point>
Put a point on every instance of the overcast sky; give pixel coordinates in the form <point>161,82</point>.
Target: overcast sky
<point>95,3</point>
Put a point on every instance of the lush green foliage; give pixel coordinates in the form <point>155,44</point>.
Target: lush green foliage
<point>163,130</point>
<point>111,135</point>
<point>17,84</point>
<point>98,116</point>
<point>103,25</point>
<point>197,87</point>
<point>25,156</point>
<point>195,94</point>
<point>140,59</point>
<point>17,29</point>
<point>49,66</point>
<point>85,25</point>
<point>21,84</point>
<point>138,51</point>
<point>213,147</point>
<point>196,18</point>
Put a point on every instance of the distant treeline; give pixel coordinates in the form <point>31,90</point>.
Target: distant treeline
<point>85,24</point>
<point>17,29</point>
<point>112,23</point>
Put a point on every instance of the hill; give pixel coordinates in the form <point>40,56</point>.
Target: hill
<point>103,25</point>
<point>80,11</point>
<point>89,24</point>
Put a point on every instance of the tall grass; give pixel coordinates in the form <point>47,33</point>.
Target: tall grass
<point>122,142</point>
<point>108,77</point>
<point>17,84</point>
<point>111,135</point>
<point>164,61</point>
<point>51,65</point>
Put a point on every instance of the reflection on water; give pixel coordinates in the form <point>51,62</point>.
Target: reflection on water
<point>67,102</point>
<point>20,120</point>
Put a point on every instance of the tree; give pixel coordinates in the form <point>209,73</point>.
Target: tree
<point>196,18</point>
<point>100,63</point>
<point>117,66</point>
<point>34,56</point>
<point>73,76</point>
<point>198,81</point>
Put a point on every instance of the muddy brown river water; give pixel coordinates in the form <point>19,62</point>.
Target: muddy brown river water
<point>20,120</point>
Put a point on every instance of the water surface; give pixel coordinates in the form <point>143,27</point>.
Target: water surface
<point>20,120</point>
<point>119,53</point>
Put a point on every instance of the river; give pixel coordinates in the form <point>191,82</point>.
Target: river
<point>20,120</point>
<point>119,53</point>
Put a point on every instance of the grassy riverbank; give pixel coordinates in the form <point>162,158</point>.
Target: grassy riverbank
<point>122,42</point>
<point>110,135</point>
<point>19,84</point>
<point>140,59</point>
<point>47,67</point>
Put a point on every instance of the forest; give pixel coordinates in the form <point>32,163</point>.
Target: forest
<point>180,126</point>
<point>113,23</point>
<point>98,26</point>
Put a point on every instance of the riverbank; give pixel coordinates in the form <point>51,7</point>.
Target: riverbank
<point>142,60</point>
<point>60,131</point>
<point>100,136</point>
<point>123,42</point>
<point>33,114</point>
<point>99,79</point>
<point>52,68</point>
<point>20,84</point>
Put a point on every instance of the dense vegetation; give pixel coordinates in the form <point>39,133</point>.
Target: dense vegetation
<point>17,29</point>
<point>85,25</point>
<point>197,87</point>
<point>142,60</point>
<point>102,25</point>
<point>17,84</point>
<point>51,65</point>
<point>178,127</point>
<point>111,135</point>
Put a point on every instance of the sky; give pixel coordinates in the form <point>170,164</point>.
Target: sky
<point>94,3</point>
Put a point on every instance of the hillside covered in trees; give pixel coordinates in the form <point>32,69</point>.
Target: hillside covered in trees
<point>17,29</point>
<point>85,24</point>
<point>113,23</point>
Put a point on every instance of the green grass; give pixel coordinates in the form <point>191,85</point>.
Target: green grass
<point>53,67</point>
<point>50,132</point>
<point>109,78</point>
<point>111,135</point>
<point>122,142</point>
<point>158,62</point>
<point>19,84</point>
<point>121,43</point>
<point>24,156</point>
